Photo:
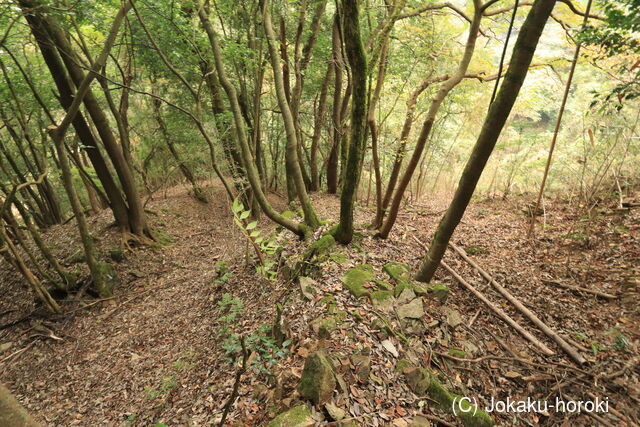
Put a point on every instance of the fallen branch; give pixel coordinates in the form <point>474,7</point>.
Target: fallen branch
<point>504,316</point>
<point>236,384</point>
<point>575,355</point>
<point>580,289</point>
<point>533,340</point>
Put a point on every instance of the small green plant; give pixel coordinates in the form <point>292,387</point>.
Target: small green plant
<point>621,342</point>
<point>264,247</point>
<point>266,349</point>
<point>268,353</point>
<point>167,385</point>
<point>129,421</point>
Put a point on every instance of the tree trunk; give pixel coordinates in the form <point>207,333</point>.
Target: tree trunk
<point>317,128</point>
<point>292,160</point>
<point>332,163</point>
<point>494,122</point>
<point>442,93</point>
<point>241,131</point>
<point>56,68</point>
<point>358,64</point>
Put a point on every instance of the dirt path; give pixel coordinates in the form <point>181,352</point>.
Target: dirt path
<point>149,354</point>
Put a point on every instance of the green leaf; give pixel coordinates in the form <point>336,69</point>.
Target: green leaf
<point>255,233</point>
<point>252,225</point>
<point>245,215</point>
<point>237,206</point>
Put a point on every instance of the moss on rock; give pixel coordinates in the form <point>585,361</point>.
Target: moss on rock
<point>320,247</point>
<point>318,380</point>
<point>397,271</point>
<point>422,381</point>
<point>439,290</point>
<point>298,416</point>
<point>327,326</point>
<point>356,277</point>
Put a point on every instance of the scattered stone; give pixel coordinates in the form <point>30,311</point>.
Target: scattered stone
<point>334,412</point>
<point>382,300</point>
<point>402,365</point>
<point>406,296</point>
<point>398,271</point>
<point>292,267</point>
<point>439,291</point>
<point>420,422</point>
<point>362,363</point>
<point>401,287</point>
<point>356,277</point>
<point>307,287</point>
<point>327,326</point>
<point>454,319</point>
<point>299,416</point>
<point>318,381</point>
<point>413,310</point>
<point>420,290</point>
<point>116,254</point>
<point>422,381</point>
<point>388,345</point>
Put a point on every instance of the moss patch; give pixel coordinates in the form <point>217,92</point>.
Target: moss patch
<point>397,271</point>
<point>320,247</point>
<point>297,416</point>
<point>356,277</point>
<point>439,290</point>
<point>423,381</point>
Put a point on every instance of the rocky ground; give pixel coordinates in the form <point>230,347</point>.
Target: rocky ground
<point>341,336</point>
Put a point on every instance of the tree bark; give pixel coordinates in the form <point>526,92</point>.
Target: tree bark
<point>358,64</point>
<point>442,93</point>
<point>494,122</point>
<point>292,159</point>
<point>241,131</point>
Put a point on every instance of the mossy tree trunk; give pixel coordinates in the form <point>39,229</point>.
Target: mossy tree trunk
<point>358,64</point>
<point>494,122</point>
<point>292,155</point>
<point>241,131</point>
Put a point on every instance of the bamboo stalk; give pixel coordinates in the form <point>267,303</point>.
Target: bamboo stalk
<point>504,316</point>
<point>575,355</point>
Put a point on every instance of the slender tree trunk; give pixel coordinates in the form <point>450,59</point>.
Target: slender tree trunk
<point>292,160</point>
<point>358,64</point>
<point>56,68</point>
<point>332,163</point>
<point>494,122</point>
<point>317,129</point>
<point>186,172</point>
<point>373,126</point>
<point>442,93</point>
<point>402,145</point>
<point>241,131</point>
<point>556,130</point>
<point>136,215</point>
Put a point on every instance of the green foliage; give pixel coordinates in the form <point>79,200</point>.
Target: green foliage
<point>266,349</point>
<point>267,246</point>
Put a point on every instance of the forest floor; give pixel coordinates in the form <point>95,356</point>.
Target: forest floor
<point>157,352</point>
